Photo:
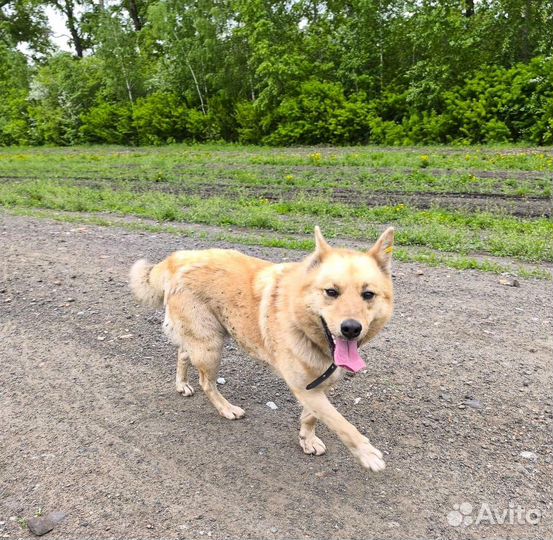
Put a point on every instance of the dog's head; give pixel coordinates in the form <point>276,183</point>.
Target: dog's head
<point>349,296</point>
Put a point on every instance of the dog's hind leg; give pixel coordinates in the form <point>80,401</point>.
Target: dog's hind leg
<point>206,357</point>
<point>310,443</point>
<point>183,362</point>
<point>201,335</point>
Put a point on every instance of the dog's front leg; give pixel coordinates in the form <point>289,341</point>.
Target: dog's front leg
<point>319,407</point>
<point>310,443</point>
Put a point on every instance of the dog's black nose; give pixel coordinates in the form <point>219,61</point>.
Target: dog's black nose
<point>350,328</point>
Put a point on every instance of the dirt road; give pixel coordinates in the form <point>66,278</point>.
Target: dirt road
<point>458,386</point>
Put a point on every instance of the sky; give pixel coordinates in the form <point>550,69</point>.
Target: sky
<point>60,34</point>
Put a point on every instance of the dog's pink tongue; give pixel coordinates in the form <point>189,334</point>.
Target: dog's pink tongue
<point>347,356</point>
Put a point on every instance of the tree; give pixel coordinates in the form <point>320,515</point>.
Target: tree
<point>69,9</point>
<point>300,70</point>
<point>24,22</point>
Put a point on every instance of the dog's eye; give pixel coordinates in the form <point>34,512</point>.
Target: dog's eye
<point>333,293</point>
<point>367,295</point>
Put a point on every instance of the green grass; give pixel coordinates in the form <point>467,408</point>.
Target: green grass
<point>504,236</point>
<point>365,169</point>
<point>105,157</point>
<point>292,178</point>
<point>257,238</point>
<point>182,183</point>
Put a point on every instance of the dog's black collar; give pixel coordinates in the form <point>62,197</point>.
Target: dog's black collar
<point>332,368</point>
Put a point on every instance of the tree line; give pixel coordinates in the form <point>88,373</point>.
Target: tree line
<point>277,72</point>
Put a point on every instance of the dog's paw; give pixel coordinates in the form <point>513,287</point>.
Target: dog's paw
<point>232,412</point>
<point>185,389</point>
<point>370,457</point>
<point>313,445</point>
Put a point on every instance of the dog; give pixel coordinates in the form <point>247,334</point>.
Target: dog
<point>305,319</point>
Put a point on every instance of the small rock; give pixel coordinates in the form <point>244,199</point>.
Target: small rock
<point>445,396</point>
<point>101,338</point>
<point>272,405</point>
<point>356,400</point>
<point>70,300</point>
<point>419,273</point>
<point>523,470</point>
<point>41,525</point>
<point>474,403</point>
<point>125,336</point>
<point>221,380</point>
<point>529,455</point>
<point>509,282</point>
<point>274,530</point>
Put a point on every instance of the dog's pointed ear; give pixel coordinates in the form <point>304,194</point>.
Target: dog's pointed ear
<point>321,245</point>
<point>382,250</point>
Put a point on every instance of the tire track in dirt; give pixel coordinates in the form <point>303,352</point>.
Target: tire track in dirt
<point>344,169</point>
<point>520,206</point>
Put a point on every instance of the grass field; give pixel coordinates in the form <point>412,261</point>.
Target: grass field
<point>474,207</point>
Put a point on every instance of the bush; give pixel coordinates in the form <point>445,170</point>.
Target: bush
<point>68,101</point>
<point>14,121</point>
<point>202,127</point>
<point>542,131</point>
<point>248,119</point>
<point>321,114</point>
<point>499,104</point>
<point>14,91</point>
<point>49,125</point>
<point>350,123</point>
<point>494,105</point>
<point>160,118</point>
<point>108,123</point>
<point>61,92</point>
<point>387,132</point>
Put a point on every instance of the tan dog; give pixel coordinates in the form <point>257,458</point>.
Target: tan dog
<point>303,319</point>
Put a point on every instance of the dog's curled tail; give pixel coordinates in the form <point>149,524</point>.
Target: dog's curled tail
<point>147,283</point>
